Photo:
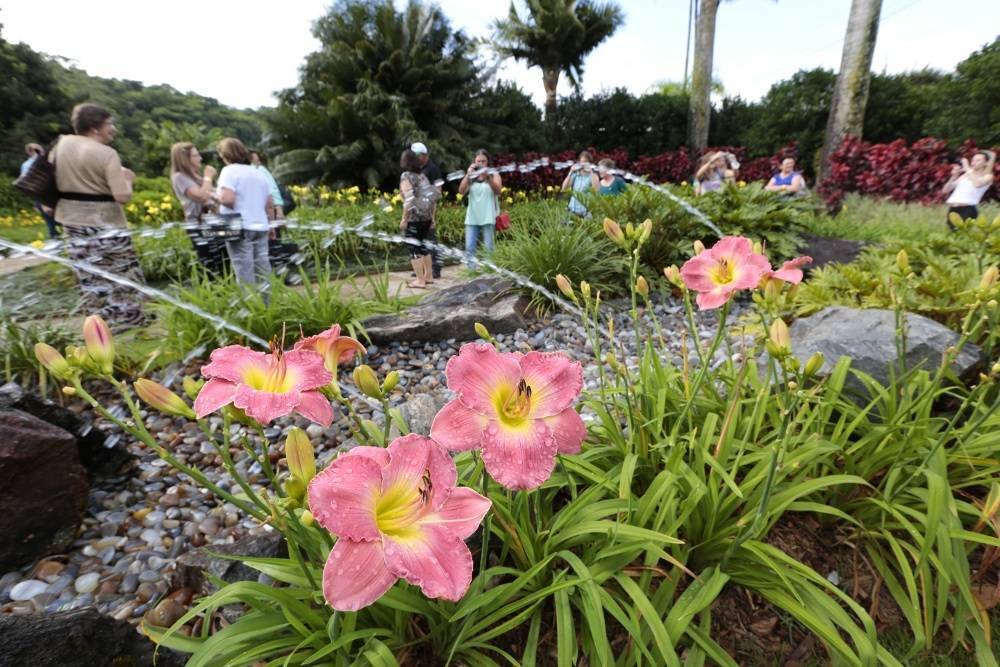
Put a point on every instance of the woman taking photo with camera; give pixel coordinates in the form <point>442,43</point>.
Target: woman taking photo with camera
<point>480,218</point>
<point>968,183</point>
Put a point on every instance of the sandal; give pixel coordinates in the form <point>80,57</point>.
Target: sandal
<point>413,285</point>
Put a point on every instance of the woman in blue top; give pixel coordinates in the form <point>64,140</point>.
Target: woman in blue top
<point>582,177</point>
<point>787,181</point>
<point>480,218</point>
<point>608,183</point>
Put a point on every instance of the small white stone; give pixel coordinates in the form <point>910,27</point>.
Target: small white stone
<point>87,583</point>
<point>27,590</point>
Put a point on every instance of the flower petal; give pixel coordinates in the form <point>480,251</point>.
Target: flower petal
<point>342,497</point>
<point>714,299</point>
<point>434,559</point>
<point>377,454</point>
<point>477,371</point>
<point>265,406</point>
<point>355,575</point>
<point>410,456</point>
<point>320,340</point>
<point>213,395</point>
<point>791,271</point>
<point>461,513</point>
<point>230,362</point>
<point>747,274</point>
<point>521,458</point>
<point>696,272</point>
<point>306,366</point>
<point>315,406</point>
<point>568,430</point>
<point>457,428</point>
<point>733,249</point>
<point>555,382</point>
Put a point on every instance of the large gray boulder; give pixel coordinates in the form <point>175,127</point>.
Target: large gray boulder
<point>452,312</point>
<point>43,489</point>
<point>868,337</point>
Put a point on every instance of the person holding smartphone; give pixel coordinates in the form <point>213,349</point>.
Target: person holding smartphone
<point>482,189</point>
<point>582,177</point>
<point>968,183</point>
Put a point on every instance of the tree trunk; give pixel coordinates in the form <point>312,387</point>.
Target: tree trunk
<point>550,79</point>
<point>699,102</point>
<point>850,93</point>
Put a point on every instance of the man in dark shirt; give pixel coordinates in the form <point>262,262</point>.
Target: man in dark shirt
<point>433,174</point>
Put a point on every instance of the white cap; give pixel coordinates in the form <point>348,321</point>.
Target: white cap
<point>418,148</point>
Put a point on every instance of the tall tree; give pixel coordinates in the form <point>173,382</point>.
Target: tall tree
<point>556,36</point>
<point>850,94</point>
<point>382,79</point>
<point>699,101</point>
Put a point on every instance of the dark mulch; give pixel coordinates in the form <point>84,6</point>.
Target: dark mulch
<point>825,250</point>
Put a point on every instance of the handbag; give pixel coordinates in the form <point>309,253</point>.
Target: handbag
<point>503,221</point>
<point>39,182</point>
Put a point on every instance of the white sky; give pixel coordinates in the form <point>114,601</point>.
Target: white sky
<point>195,45</point>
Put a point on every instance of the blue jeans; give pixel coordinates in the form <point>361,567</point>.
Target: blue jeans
<point>249,258</point>
<point>472,234</point>
<point>50,222</point>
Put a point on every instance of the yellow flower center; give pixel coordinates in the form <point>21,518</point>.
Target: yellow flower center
<point>275,380</point>
<point>513,407</point>
<point>722,274</point>
<point>398,509</point>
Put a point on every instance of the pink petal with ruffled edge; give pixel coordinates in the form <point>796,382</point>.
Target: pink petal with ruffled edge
<point>380,455</point>
<point>213,395</point>
<point>791,271</point>
<point>568,430</point>
<point>733,249</point>
<point>355,575</point>
<point>747,274</point>
<point>316,407</point>
<point>522,458</point>
<point>555,382</point>
<point>306,369</point>
<point>695,272</point>
<point>462,512</point>
<point>437,560</point>
<point>343,496</point>
<point>264,406</point>
<point>476,373</point>
<point>457,428</point>
<point>711,300</point>
<point>230,362</point>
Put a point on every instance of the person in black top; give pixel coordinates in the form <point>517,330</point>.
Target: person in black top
<point>433,174</point>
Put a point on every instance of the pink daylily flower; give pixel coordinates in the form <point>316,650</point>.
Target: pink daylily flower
<point>791,271</point>
<point>265,386</point>
<point>517,408</point>
<point>334,348</point>
<point>398,515</point>
<point>727,267</point>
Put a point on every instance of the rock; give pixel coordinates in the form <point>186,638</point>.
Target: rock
<point>80,637</point>
<point>100,458</point>
<point>452,312</point>
<point>87,583</point>
<point>43,488</point>
<point>27,590</point>
<point>868,337</point>
<point>191,566</point>
<point>419,412</point>
<point>825,250</point>
<point>165,614</point>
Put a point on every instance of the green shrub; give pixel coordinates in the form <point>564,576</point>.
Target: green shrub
<point>11,198</point>
<point>169,257</point>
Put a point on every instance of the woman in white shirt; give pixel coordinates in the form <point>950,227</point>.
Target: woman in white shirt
<point>245,196</point>
<point>968,183</point>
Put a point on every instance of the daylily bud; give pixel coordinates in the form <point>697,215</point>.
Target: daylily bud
<point>641,286</point>
<point>699,247</point>
<point>69,391</point>
<point>390,382</point>
<point>54,362</point>
<point>647,229</point>
<point>673,274</point>
<point>160,398</point>
<point>562,282</point>
<point>772,287</point>
<point>585,289</point>
<point>307,519</point>
<point>191,386</point>
<point>992,304</point>
<point>779,335</point>
<point>758,248</point>
<point>364,378</point>
<point>100,344</point>
<point>294,488</point>
<point>996,367</point>
<point>611,360</point>
<point>814,363</point>
<point>481,330</point>
<point>613,231</point>
<point>903,261</point>
<point>989,278</point>
<point>793,385</point>
<point>629,231</point>
<point>300,456</point>
<point>77,356</point>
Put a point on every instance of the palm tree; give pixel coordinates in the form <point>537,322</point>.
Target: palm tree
<point>699,102</point>
<point>850,93</point>
<point>556,35</point>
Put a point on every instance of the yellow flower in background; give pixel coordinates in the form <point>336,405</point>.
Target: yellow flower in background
<point>38,244</point>
<point>387,209</point>
<point>458,196</point>
<point>510,200</point>
<point>742,184</point>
